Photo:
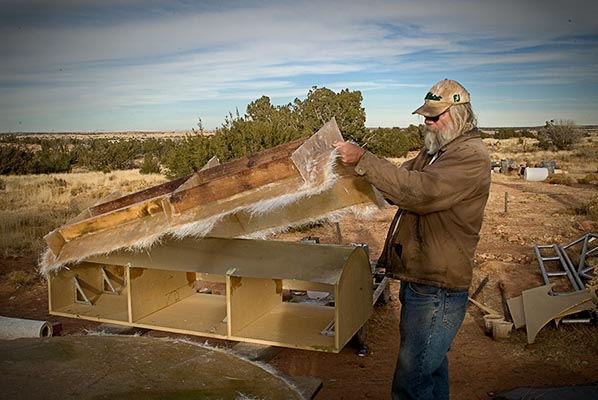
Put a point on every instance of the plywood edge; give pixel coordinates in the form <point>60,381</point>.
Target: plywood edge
<point>299,346</point>
<point>89,318</point>
<point>182,331</point>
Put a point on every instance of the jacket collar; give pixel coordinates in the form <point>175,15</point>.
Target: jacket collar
<point>459,139</point>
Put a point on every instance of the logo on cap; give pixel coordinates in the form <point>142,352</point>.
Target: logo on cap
<point>456,98</point>
<point>431,96</point>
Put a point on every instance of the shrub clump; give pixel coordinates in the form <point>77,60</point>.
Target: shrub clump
<point>21,278</point>
<point>589,179</point>
<point>559,135</point>
<point>561,179</point>
<point>590,209</point>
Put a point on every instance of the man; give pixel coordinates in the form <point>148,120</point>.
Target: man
<point>430,246</point>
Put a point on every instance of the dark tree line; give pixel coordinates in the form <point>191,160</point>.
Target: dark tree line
<point>263,125</point>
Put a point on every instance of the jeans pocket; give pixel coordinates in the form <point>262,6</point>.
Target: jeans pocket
<point>424,290</point>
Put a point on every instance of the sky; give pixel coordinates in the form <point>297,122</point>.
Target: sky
<point>118,65</point>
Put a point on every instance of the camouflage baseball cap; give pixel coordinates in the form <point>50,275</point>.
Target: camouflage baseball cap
<point>441,97</point>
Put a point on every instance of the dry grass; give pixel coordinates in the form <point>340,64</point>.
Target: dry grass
<point>589,208</point>
<point>589,179</point>
<point>21,278</point>
<point>33,205</point>
<point>561,179</point>
<point>579,161</point>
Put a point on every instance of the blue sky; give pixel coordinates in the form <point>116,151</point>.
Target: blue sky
<point>102,65</point>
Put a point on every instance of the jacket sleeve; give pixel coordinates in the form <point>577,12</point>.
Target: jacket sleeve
<point>455,176</point>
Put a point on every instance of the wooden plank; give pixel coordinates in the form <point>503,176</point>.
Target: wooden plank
<point>234,184</point>
<point>250,298</point>
<point>152,290</point>
<point>234,167</point>
<point>137,197</point>
<point>118,217</point>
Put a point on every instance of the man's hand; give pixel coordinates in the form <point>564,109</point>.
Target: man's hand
<point>349,153</point>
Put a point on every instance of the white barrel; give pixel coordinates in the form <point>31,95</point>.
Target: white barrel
<point>15,328</point>
<point>535,174</point>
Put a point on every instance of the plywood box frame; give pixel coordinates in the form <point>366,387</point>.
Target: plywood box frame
<point>156,289</point>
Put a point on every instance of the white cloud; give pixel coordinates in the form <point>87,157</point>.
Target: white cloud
<point>170,53</point>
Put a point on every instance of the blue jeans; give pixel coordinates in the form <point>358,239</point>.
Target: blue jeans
<point>430,319</point>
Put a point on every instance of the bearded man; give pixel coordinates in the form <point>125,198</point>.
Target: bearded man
<point>431,242</point>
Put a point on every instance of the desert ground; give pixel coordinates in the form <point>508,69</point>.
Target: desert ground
<point>519,215</point>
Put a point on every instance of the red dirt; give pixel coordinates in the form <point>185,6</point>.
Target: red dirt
<point>538,213</point>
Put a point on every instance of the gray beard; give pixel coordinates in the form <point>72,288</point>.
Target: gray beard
<point>435,138</point>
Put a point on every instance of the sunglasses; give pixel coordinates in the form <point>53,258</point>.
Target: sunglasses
<point>435,118</point>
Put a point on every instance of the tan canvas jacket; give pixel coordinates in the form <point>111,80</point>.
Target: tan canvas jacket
<point>441,207</point>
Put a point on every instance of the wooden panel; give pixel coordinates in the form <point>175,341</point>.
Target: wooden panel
<point>292,325</point>
<point>353,297</point>
<point>152,290</point>
<point>105,306</point>
<point>252,258</point>
<point>55,241</point>
<point>250,298</point>
<point>196,314</point>
<point>61,289</point>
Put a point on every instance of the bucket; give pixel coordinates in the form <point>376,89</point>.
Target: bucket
<point>501,330</point>
<point>489,321</point>
<point>535,174</point>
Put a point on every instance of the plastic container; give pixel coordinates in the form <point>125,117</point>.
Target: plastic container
<point>501,330</point>
<point>489,321</point>
<point>535,174</point>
